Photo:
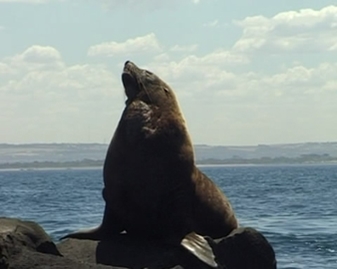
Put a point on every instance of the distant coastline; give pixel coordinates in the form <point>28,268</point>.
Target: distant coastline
<point>91,155</point>
<point>86,163</point>
<point>89,163</point>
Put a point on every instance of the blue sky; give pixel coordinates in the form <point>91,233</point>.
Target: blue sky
<point>245,73</point>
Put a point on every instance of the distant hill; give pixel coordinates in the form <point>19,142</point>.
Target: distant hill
<point>265,151</point>
<point>23,153</point>
<point>10,153</point>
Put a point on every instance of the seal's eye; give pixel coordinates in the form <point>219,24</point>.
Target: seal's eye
<point>166,90</point>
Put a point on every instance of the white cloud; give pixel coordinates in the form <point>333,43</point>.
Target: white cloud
<point>207,75</point>
<point>188,48</point>
<point>333,47</point>
<point>163,57</point>
<point>277,108</point>
<point>36,58</point>
<point>56,103</point>
<point>227,93</point>
<point>199,66</point>
<point>40,68</point>
<point>306,30</point>
<point>40,54</point>
<point>83,102</point>
<point>301,83</point>
<point>211,23</point>
<point>5,69</point>
<point>142,44</point>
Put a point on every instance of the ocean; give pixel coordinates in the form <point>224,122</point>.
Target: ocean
<point>295,207</point>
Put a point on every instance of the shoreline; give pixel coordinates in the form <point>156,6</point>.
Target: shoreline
<point>28,169</point>
<point>25,169</point>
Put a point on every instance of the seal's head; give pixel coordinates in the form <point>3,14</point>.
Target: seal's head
<point>143,85</point>
<point>152,109</point>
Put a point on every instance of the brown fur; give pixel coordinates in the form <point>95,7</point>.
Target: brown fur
<point>152,185</point>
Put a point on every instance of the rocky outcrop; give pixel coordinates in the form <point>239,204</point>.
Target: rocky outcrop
<point>17,235</point>
<point>24,244</point>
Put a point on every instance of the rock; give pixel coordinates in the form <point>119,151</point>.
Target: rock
<point>36,260</point>
<point>128,252</point>
<point>16,234</point>
<point>24,244</point>
<point>246,248</point>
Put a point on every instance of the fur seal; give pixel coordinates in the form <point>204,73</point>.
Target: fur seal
<point>152,187</point>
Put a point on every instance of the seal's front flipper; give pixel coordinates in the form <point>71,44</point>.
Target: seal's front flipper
<point>199,247</point>
<point>92,234</point>
<point>109,228</point>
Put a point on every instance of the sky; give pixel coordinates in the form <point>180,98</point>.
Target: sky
<point>245,72</point>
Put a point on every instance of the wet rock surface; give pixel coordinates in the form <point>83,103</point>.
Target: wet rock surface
<point>24,244</point>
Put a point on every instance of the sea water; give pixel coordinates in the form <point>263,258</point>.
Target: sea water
<point>295,207</point>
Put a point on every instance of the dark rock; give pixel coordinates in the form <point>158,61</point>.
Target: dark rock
<point>245,248</point>
<point>36,260</point>
<point>16,233</point>
<point>24,244</point>
<point>128,252</point>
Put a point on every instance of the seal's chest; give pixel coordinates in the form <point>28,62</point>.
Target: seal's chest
<point>139,121</point>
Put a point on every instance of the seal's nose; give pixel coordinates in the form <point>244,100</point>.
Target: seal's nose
<point>126,63</point>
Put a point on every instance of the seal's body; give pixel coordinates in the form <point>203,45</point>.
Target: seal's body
<point>152,186</point>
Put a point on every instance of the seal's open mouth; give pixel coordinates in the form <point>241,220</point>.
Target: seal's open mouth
<point>129,81</point>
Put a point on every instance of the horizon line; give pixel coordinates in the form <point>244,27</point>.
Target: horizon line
<point>196,144</point>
